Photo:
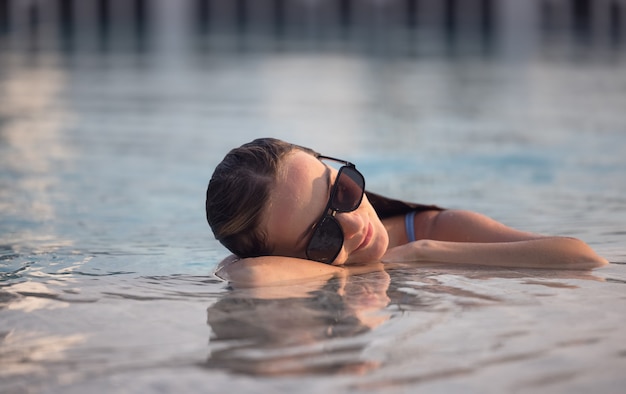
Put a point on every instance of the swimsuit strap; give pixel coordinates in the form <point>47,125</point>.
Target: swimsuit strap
<point>409,225</point>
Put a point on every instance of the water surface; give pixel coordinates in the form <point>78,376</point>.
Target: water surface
<point>106,261</point>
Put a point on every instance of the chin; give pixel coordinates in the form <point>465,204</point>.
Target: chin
<point>377,247</point>
<point>374,252</point>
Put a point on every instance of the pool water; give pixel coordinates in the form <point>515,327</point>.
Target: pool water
<point>106,260</point>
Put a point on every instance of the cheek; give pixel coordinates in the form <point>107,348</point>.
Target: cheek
<point>342,258</point>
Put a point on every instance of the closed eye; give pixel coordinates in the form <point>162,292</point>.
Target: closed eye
<point>305,237</point>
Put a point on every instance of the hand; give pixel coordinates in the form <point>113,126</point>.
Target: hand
<point>411,252</point>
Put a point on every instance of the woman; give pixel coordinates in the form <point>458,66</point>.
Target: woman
<point>285,214</point>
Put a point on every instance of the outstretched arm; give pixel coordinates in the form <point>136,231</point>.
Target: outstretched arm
<point>465,237</point>
<point>271,270</point>
<point>280,270</point>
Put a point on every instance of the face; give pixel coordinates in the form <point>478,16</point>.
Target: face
<point>297,203</point>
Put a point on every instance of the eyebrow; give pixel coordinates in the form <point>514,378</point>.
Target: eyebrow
<point>310,228</point>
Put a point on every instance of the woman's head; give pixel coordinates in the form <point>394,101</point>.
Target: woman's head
<point>266,197</point>
<point>238,192</point>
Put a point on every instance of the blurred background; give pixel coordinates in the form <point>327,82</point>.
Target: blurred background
<point>113,113</point>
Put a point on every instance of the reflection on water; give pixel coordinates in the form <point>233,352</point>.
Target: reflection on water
<point>36,296</point>
<point>27,353</point>
<point>326,327</point>
<point>33,121</point>
<point>285,334</point>
<point>403,328</point>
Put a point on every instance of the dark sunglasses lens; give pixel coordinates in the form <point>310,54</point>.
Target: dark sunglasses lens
<point>326,241</point>
<point>349,190</point>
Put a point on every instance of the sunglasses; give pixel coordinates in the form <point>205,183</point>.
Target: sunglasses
<point>345,196</point>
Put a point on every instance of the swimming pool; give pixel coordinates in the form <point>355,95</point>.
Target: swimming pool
<point>106,259</point>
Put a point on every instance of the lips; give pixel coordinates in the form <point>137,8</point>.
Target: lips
<point>367,238</point>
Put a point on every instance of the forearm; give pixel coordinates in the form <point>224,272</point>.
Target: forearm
<point>273,270</point>
<point>265,271</point>
<point>545,252</point>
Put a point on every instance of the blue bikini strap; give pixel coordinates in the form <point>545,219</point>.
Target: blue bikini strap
<point>409,225</point>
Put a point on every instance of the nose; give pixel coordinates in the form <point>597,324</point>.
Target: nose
<point>351,223</point>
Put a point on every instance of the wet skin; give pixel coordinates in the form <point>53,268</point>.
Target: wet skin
<point>297,203</point>
<point>301,193</point>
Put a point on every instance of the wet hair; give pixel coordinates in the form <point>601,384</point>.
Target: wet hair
<point>239,191</point>
<point>240,188</point>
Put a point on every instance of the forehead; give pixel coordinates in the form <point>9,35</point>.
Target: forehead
<point>297,200</point>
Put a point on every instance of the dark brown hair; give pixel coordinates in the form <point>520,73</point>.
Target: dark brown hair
<point>239,191</point>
